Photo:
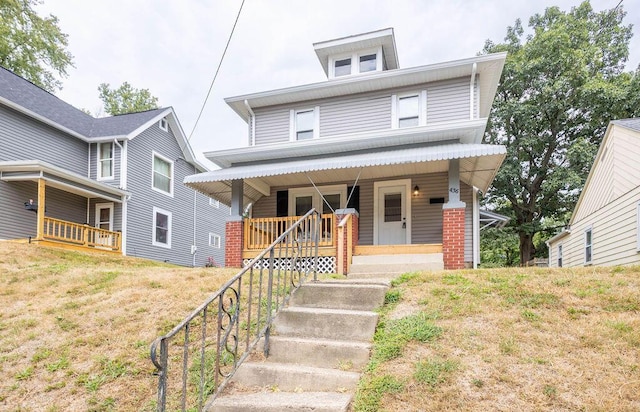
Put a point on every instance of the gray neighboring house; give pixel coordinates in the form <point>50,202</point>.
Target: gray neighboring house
<point>110,184</point>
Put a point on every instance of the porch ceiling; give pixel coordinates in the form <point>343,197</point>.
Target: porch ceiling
<point>478,165</point>
<point>32,170</point>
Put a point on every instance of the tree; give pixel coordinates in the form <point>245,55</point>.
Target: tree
<point>31,46</point>
<point>126,99</point>
<point>560,87</point>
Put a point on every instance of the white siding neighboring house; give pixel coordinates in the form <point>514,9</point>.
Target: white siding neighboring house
<point>109,184</point>
<point>604,229</point>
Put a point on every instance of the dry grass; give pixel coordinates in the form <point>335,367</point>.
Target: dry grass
<point>523,339</point>
<point>75,328</point>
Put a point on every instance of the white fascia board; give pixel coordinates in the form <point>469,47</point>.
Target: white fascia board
<point>350,142</point>
<point>564,233</point>
<point>148,124</point>
<point>372,81</point>
<point>43,119</point>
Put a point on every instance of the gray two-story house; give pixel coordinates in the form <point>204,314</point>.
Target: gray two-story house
<point>399,150</point>
<point>109,184</point>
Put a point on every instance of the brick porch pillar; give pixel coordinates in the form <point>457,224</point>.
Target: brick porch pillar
<point>344,250</point>
<point>453,237</point>
<point>233,244</point>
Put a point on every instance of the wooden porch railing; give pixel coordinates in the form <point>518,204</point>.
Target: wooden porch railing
<point>259,233</point>
<point>80,234</point>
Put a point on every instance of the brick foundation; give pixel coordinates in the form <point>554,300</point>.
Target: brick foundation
<point>233,244</point>
<point>453,238</point>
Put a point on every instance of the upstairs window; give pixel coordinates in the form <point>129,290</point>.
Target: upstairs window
<point>409,111</point>
<point>368,63</point>
<point>105,161</point>
<point>588,245</point>
<point>162,174</point>
<point>342,67</point>
<point>304,124</point>
<point>162,124</point>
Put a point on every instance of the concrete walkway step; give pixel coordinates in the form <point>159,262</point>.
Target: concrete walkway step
<point>288,377</point>
<point>326,353</point>
<point>340,324</point>
<point>350,296</point>
<point>283,401</point>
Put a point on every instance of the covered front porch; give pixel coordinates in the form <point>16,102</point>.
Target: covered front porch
<point>394,200</point>
<point>58,206</point>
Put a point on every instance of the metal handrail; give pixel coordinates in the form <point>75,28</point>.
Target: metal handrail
<point>244,312</point>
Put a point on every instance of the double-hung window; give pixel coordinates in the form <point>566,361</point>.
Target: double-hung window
<point>304,124</point>
<point>559,256</point>
<point>588,245</point>
<point>214,240</point>
<point>105,161</point>
<point>161,228</point>
<point>162,174</point>
<point>409,111</point>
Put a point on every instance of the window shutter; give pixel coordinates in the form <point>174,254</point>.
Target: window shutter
<point>282,203</point>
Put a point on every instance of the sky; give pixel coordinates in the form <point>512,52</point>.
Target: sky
<point>173,47</point>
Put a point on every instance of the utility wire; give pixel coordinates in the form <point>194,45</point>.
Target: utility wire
<point>217,71</point>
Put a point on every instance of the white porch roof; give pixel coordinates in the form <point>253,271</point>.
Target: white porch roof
<point>478,165</point>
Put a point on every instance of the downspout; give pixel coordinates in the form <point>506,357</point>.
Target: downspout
<point>123,186</point>
<point>472,83</point>
<point>476,228</point>
<point>194,246</point>
<point>252,124</point>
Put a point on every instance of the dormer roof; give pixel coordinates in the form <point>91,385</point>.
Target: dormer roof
<point>380,38</point>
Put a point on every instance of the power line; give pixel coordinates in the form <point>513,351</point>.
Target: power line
<point>217,70</point>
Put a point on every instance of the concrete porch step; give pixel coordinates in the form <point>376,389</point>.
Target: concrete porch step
<point>352,356</point>
<point>420,258</point>
<point>349,296</point>
<point>387,265</point>
<point>338,324</point>
<point>284,401</point>
<point>289,377</point>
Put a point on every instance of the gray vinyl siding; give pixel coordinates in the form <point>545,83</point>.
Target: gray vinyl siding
<point>426,218</point>
<point>272,126</point>
<point>181,205</point>
<point>355,115</point>
<point>446,101</point>
<point>22,138</point>
<point>93,164</point>
<point>18,223</point>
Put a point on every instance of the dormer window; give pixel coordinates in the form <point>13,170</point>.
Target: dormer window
<point>368,63</point>
<point>355,63</point>
<point>342,67</point>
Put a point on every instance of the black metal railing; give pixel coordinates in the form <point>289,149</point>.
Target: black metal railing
<point>196,360</point>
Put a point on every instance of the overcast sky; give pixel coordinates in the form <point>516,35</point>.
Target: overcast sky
<point>173,47</point>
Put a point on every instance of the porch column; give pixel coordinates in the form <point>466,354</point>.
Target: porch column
<point>347,239</point>
<point>453,221</point>
<point>234,230</point>
<point>41,206</point>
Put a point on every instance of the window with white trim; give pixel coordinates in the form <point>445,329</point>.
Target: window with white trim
<point>560,255</point>
<point>105,161</point>
<point>588,245</point>
<point>409,110</point>
<point>215,203</point>
<point>162,174</point>
<point>363,61</point>
<point>162,124</point>
<point>305,124</point>
<point>214,240</point>
<point>161,228</point>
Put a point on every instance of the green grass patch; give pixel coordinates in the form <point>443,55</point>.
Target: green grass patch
<point>434,372</point>
<point>372,389</point>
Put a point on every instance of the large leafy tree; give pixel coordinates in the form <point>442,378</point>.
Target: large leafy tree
<point>560,87</point>
<point>32,46</point>
<point>126,99</point>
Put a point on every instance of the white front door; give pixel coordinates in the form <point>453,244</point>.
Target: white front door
<point>104,220</point>
<point>392,215</point>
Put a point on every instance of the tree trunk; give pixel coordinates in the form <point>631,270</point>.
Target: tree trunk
<point>527,249</point>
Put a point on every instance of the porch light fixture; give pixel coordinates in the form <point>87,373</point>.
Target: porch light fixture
<point>416,190</point>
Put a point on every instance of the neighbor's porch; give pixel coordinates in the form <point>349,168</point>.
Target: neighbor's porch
<point>54,207</point>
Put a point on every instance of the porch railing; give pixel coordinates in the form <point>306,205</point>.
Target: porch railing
<point>198,357</point>
<point>81,234</point>
<point>259,233</point>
